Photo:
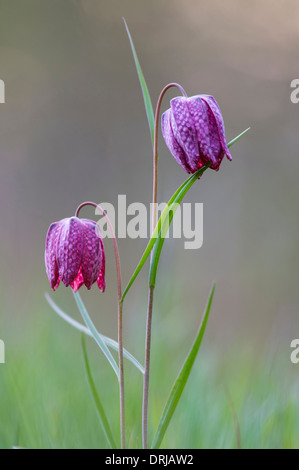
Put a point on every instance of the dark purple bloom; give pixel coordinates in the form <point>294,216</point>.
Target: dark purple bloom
<point>193,130</point>
<point>75,254</point>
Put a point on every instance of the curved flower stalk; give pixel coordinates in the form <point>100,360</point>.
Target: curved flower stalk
<point>120,321</point>
<point>193,130</point>
<point>196,147</point>
<point>194,133</point>
<point>75,255</point>
<point>151,287</point>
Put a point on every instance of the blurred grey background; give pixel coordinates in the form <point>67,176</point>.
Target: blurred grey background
<point>73,128</point>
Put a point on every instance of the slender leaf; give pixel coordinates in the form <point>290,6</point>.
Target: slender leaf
<point>154,237</point>
<point>166,223</point>
<point>233,141</point>
<point>146,96</point>
<point>95,334</point>
<point>182,378</point>
<point>100,407</point>
<point>66,317</point>
<point>108,341</point>
<point>168,214</point>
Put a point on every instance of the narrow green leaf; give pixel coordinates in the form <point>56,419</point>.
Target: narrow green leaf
<point>100,407</point>
<point>182,378</point>
<point>233,141</point>
<point>167,221</point>
<point>153,239</point>
<point>108,341</point>
<point>166,224</point>
<point>167,215</point>
<point>66,317</point>
<point>146,96</point>
<point>95,334</point>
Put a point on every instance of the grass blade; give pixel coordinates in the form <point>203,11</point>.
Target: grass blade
<point>108,341</point>
<point>95,334</point>
<point>233,141</point>
<point>146,96</point>
<point>235,418</point>
<point>100,408</point>
<point>182,378</point>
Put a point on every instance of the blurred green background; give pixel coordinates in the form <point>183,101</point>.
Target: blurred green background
<point>73,128</point>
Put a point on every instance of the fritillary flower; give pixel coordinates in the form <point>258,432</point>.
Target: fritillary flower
<point>193,130</point>
<point>75,254</point>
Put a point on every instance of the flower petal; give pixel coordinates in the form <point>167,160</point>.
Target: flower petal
<point>50,255</point>
<point>69,249</point>
<point>218,119</point>
<point>92,253</point>
<point>171,142</point>
<point>78,282</point>
<point>101,278</point>
<point>184,130</point>
<point>198,111</point>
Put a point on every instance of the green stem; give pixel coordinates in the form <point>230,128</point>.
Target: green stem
<point>151,288</point>
<point>147,367</point>
<point>120,322</point>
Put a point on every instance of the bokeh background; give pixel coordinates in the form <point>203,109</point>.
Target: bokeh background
<point>73,128</point>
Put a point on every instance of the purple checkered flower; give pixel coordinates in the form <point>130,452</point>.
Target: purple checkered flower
<point>75,254</point>
<point>193,130</point>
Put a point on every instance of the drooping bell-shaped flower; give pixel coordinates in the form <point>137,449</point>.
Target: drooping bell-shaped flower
<point>193,130</point>
<point>75,254</point>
